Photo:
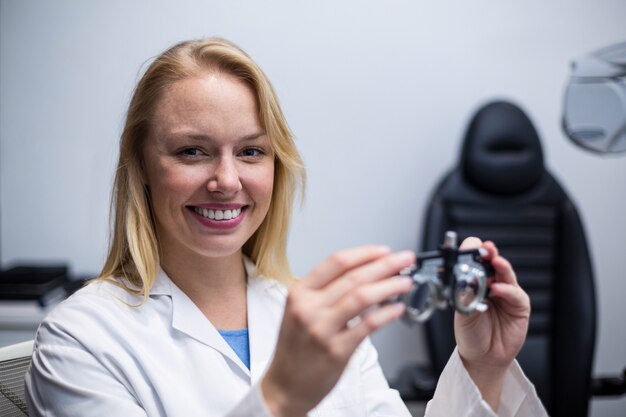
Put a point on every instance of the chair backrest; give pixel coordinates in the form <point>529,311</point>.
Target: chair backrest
<point>501,191</point>
<point>14,362</point>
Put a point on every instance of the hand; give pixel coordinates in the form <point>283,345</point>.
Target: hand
<point>488,342</point>
<point>317,335</point>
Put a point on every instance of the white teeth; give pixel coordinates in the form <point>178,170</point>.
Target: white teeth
<point>218,214</point>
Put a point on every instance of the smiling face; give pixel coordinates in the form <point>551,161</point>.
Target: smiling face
<point>208,166</point>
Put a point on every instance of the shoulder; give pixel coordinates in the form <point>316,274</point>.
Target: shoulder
<point>97,295</point>
<point>90,314</point>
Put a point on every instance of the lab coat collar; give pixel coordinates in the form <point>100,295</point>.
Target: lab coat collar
<point>266,300</point>
<point>262,325</point>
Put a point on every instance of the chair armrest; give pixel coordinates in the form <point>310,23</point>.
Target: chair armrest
<point>415,383</point>
<point>609,386</point>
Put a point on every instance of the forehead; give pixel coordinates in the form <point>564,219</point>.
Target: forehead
<point>209,100</point>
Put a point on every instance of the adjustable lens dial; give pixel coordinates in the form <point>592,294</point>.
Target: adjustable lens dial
<point>470,285</point>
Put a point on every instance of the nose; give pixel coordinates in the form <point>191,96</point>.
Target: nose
<point>225,178</point>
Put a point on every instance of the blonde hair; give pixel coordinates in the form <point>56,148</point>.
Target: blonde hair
<point>134,250</point>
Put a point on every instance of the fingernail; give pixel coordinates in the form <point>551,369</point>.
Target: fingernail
<point>407,280</point>
<point>400,307</point>
<point>406,255</point>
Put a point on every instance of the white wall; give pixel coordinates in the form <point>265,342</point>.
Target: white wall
<point>377,93</point>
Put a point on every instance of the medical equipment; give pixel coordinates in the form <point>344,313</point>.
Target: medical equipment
<point>448,276</point>
<point>594,108</point>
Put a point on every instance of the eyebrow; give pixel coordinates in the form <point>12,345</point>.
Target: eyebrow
<point>253,136</point>
<point>203,137</point>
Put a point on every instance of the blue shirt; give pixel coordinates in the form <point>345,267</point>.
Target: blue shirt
<point>238,340</point>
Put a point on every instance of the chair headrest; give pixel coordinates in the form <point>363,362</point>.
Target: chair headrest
<point>501,151</point>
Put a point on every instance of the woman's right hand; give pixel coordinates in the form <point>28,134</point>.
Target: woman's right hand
<point>317,335</point>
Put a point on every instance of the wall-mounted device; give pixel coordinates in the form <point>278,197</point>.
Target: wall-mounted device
<point>594,110</point>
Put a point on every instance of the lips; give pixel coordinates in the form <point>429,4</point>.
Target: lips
<point>214,214</point>
<point>222,217</point>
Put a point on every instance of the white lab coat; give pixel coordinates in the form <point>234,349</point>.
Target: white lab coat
<point>97,355</point>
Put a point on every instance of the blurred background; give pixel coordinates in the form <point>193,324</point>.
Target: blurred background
<point>377,93</point>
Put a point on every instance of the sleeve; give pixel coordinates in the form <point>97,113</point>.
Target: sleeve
<point>456,394</point>
<point>380,399</point>
<point>67,381</point>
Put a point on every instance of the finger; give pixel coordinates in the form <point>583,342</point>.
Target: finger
<point>492,251</point>
<point>352,337</point>
<point>366,297</point>
<point>504,271</point>
<point>471,243</point>
<point>381,268</point>
<point>512,296</point>
<point>340,262</point>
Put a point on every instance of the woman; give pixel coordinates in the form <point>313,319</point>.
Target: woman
<point>191,314</point>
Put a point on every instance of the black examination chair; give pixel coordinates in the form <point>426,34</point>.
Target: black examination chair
<point>501,191</point>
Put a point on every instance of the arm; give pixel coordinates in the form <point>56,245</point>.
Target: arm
<point>458,395</point>
<point>488,342</point>
<point>84,365</point>
<point>68,381</point>
<point>318,334</point>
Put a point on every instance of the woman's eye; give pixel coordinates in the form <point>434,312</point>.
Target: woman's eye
<point>191,152</point>
<point>252,152</point>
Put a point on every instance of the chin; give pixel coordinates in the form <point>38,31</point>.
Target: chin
<point>219,249</point>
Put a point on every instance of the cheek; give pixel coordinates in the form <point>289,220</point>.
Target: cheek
<point>269,183</point>
<point>261,185</point>
<point>172,183</point>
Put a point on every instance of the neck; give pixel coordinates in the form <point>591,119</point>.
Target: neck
<point>217,286</point>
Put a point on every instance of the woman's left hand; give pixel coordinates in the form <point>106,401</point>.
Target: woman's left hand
<point>488,342</point>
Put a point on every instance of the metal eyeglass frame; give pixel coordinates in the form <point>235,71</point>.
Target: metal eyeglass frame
<point>443,276</point>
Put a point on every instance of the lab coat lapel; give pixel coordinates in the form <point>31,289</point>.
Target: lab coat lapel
<point>266,301</point>
<point>187,318</point>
